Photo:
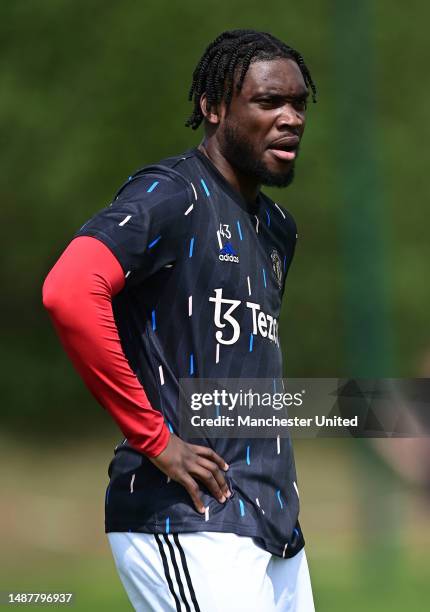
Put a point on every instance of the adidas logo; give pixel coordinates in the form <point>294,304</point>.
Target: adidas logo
<point>227,253</point>
<point>228,250</point>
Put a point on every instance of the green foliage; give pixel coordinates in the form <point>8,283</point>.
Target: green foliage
<point>93,90</point>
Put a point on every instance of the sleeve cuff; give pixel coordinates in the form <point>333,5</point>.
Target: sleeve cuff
<point>152,448</point>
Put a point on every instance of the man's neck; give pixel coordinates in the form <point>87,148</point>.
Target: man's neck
<point>247,187</point>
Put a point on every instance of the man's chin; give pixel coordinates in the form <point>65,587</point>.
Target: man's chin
<point>277,179</point>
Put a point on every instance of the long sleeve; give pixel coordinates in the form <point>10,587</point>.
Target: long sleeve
<point>78,294</point>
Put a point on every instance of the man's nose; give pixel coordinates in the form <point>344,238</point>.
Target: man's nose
<point>290,117</point>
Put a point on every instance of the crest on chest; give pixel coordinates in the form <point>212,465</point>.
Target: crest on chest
<point>277,266</point>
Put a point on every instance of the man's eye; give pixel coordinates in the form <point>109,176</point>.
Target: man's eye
<point>300,104</point>
<point>268,102</point>
<point>273,102</point>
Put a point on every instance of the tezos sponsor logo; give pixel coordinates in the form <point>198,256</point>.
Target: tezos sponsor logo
<point>228,327</point>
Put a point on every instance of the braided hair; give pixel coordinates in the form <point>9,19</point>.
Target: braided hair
<point>230,51</point>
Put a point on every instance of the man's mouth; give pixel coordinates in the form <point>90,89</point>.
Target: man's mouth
<point>284,154</point>
<point>285,149</point>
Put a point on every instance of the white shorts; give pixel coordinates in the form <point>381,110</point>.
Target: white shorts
<point>209,572</point>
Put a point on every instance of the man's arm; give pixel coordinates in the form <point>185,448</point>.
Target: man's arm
<point>78,294</point>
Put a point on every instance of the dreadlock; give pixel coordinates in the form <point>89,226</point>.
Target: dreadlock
<point>215,72</point>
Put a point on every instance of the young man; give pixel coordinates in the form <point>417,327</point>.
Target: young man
<point>165,284</point>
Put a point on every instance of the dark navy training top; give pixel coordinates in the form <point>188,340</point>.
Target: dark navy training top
<point>195,255</point>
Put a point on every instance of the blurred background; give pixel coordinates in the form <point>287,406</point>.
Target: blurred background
<point>90,92</point>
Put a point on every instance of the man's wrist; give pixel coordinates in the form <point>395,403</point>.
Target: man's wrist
<point>153,447</point>
<point>160,443</point>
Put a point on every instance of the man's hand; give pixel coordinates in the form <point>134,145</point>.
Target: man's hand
<point>185,463</point>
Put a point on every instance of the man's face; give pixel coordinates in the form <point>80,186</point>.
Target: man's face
<point>259,134</point>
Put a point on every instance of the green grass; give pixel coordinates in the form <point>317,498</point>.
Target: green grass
<point>93,581</point>
<point>367,533</point>
<point>374,582</point>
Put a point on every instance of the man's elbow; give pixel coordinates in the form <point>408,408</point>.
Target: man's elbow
<point>54,295</point>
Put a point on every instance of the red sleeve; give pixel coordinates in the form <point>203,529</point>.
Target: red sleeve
<point>78,294</point>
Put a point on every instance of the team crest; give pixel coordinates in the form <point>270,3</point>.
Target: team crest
<point>277,267</point>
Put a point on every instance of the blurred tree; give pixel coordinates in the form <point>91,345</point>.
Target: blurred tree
<point>91,91</point>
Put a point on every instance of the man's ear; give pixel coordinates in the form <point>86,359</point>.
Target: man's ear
<point>210,113</point>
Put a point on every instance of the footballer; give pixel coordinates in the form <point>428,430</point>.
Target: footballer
<point>182,276</point>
